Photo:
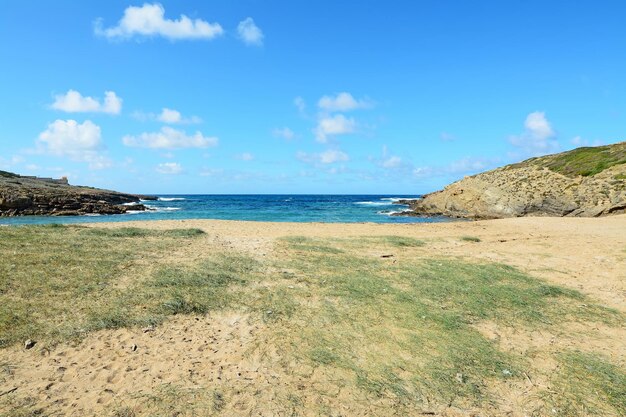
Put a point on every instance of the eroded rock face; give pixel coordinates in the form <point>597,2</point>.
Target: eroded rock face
<point>528,191</point>
<point>20,196</point>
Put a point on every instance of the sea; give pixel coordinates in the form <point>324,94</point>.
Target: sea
<point>272,208</point>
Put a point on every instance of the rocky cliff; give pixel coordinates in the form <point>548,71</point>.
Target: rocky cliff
<point>31,196</point>
<point>585,182</point>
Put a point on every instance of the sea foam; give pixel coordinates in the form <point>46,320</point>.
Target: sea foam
<point>171,198</point>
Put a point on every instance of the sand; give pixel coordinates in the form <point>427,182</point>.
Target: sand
<point>588,254</point>
<point>121,368</point>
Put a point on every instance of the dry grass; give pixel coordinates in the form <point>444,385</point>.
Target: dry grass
<point>59,282</point>
<point>393,332</point>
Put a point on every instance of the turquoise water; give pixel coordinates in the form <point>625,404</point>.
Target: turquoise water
<point>275,208</point>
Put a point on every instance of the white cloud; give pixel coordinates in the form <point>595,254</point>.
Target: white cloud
<point>468,165</point>
<point>537,124</point>
<point>538,137</point>
<point>332,126</point>
<point>392,162</point>
<point>8,163</point>
<point>284,133</point>
<point>169,168</point>
<point>327,157</point>
<point>74,102</point>
<point>332,155</point>
<point>80,142</point>
<point>463,166</point>
<point>172,116</point>
<point>169,138</point>
<point>98,161</point>
<point>423,172</point>
<point>249,32</point>
<point>149,20</point>
<point>300,104</point>
<point>579,141</point>
<point>67,136</point>
<point>246,156</point>
<point>342,102</point>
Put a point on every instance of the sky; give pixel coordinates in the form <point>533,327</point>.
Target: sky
<point>319,97</point>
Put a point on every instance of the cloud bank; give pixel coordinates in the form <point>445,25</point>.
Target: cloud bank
<point>149,21</point>
<point>169,138</point>
<point>75,102</point>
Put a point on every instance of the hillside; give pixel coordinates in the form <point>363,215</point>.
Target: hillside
<point>584,182</point>
<point>21,195</point>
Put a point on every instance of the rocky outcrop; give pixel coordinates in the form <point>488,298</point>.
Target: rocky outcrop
<point>547,186</point>
<point>20,196</point>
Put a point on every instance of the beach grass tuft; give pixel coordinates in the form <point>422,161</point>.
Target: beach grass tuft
<point>587,384</point>
<point>404,242</point>
<point>473,239</point>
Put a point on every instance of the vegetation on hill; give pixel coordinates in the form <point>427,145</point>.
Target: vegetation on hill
<point>6,174</point>
<point>585,161</point>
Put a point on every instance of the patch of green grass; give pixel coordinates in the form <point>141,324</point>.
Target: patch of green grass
<point>405,330</point>
<point>12,406</point>
<point>177,400</point>
<point>306,244</point>
<point>8,174</point>
<point>402,241</point>
<point>218,401</point>
<point>63,281</point>
<point>199,288</point>
<point>588,385</point>
<point>124,412</point>
<point>323,356</point>
<point>470,239</point>
<point>585,161</point>
<point>133,232</point>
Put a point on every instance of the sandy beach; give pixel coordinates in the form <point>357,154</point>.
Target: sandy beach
<point>234,351</point>
<point>588,254</point>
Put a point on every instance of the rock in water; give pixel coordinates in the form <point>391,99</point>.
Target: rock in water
<point>584,182</point>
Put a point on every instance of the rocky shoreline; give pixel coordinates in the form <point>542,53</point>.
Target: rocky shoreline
<point>585,182</point>
<point>26,196</point>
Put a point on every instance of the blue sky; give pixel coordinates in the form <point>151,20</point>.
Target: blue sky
<point>275,96</point>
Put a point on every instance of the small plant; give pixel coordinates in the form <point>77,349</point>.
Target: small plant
<point>404,242</point>
<point>588,384</point>
<point>470,239</point>
<point>124,412</point>
<point>218,401</point>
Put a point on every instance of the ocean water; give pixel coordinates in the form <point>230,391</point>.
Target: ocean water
<point>275,208</point>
